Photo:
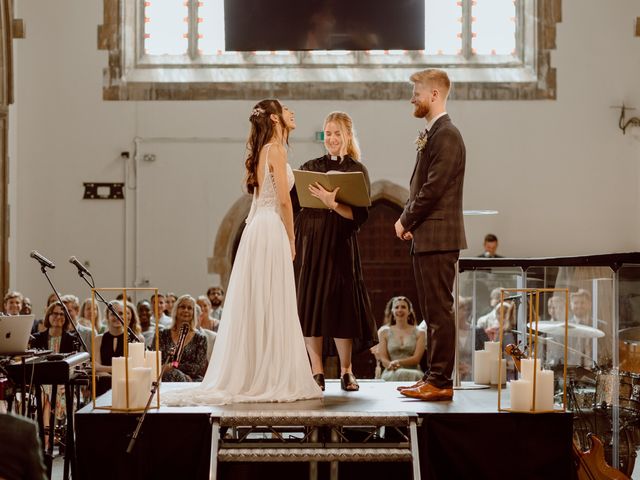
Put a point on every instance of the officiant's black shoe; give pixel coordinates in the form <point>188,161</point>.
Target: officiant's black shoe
<point>319,378</point>
<point>349,383</point>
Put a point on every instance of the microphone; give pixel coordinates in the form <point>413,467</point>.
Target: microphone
<point>81,268</point>
<point>44,262</point>
<point>513,297</point>
<point>517,297</point>
<point>184,331</point>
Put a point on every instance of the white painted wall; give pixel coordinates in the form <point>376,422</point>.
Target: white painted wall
<point>563,177</point>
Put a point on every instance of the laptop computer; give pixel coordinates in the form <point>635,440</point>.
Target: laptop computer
<point>14,333</point>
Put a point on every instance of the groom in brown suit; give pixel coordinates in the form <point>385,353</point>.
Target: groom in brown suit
<point>432,219</point>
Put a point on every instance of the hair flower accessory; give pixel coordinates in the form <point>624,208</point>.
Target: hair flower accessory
<point>257,111</point>
<point>421,141</point>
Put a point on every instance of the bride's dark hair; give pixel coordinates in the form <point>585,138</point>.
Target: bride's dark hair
<point>262,130</point>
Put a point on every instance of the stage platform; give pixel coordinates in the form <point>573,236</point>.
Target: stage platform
<point>464,438</point>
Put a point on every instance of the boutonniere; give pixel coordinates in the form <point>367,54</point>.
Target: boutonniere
<point>421,141</point>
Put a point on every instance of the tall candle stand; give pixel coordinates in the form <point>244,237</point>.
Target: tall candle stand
<point>133,374</point>
<point>534,391</point>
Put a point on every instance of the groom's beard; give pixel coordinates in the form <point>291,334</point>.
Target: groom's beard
<point>421,110</point>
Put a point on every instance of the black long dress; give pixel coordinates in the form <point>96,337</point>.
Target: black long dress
<point>332,298</point>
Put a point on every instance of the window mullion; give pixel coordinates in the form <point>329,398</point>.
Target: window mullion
<point>466,29</point>
<point>520,26</point>
<point>140,14</point>
<point>193,29</point>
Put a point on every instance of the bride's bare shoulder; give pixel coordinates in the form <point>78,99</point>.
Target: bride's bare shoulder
<point>278,154</point>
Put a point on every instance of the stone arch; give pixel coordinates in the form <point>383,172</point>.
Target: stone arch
<point>233,223</point>
<point>223,248</point>
<point>386,190</point>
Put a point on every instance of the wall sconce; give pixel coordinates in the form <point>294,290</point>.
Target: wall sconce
<point>623,123</point>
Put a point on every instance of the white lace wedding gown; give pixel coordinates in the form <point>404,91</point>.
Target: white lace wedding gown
<point>259,355</point>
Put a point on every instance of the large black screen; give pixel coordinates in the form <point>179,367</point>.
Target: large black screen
<point>324,25</point>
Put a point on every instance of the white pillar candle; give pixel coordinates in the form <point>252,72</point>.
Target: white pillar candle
<point>136,354</point>
<point>482,367</point>
<point>494,371</point>
<point>117,382</point>
<point>153,360</point>
<point>493,347</point>
<point>139,387</point>
<point>544,390</point>
<point>118,394</point>
<point>520,392</point>
<point>526,368</point>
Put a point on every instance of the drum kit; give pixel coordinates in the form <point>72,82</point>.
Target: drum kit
<point>591,393</point>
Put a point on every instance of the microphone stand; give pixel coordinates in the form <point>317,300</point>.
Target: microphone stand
<point>172,360</point>
<point>67,315</point>
<point>132,336</point>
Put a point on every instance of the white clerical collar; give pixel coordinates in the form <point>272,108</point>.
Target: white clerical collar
<point>434,119</point>
<point>335,158</point>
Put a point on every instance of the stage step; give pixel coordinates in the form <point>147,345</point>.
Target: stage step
<point>314,455</point>
<point>248,418</point>
<point>285,444</point>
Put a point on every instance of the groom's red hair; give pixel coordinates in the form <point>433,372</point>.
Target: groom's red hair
<point>433,77</point>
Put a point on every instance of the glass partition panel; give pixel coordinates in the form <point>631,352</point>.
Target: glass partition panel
<point>590,310</point>
<point>625,418</point>
<point>479,313</point>
<point>602,306</point>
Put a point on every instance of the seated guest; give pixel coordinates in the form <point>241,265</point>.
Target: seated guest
<point>169,300</point>
<point>207,320</point>
<point>193,363</point>
<point>90,314</point>
<point>37,323</point>
<point>121,297</point>
<point>216,297</point>
<point>164,320</point>
<point>556,307</point>
<point>494,297</point>
<point>490,246</point>
<point>55,336</point>
<point>490,322</point>
<point>20,450</point>
<point>12,303</point>
<point>581,349</point>
<point>147,327</point>
<point>210,335</point>
<point>26,306</point>
<point>59,340</point>
<point>401,344</point>
<point>111,343</point>
<point>73,307</point>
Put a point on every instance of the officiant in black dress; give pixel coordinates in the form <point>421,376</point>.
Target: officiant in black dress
<point>332,299</point>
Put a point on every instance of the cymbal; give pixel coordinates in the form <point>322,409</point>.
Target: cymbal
<point>631,334</point>
<point>574,330</point>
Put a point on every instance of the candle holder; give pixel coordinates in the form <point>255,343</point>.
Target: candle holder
<point>130,373</point>
<point>534,391</point>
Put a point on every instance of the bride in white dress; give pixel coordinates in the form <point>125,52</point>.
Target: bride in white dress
<point>259,355</point>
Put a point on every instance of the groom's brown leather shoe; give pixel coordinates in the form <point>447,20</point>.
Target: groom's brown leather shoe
<point>429,393</point>
<point>419,383</point>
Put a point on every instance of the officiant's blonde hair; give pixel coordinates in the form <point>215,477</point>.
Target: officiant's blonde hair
<point>345,124</point>
<point>433,77</point>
